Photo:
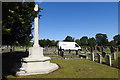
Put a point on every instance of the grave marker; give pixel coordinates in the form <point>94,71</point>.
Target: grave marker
<point>76,52</point>
<point>92,56</point>
<point>114,56</point>
<point>36,62</point>
<point>99,60</point>
<point>108,60</point>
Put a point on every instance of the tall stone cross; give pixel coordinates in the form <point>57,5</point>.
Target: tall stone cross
<point>36,62</point>
<point>36,43</point>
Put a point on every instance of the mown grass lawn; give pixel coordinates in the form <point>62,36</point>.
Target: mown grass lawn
<point>78,68</point>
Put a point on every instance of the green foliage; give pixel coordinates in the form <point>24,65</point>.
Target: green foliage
<point>91,42</point>
<point>17,22</point>
<point>117,39</point>
<point>69,39</point>
<point>47,42</point>
<point>112,43</point>
<point>78,41</point>
<point>84,41</point>
<point>78,68</point>
<point>101,39</point>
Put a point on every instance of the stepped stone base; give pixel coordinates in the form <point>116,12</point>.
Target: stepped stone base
<point>35,63</point>
<point>33,68</point>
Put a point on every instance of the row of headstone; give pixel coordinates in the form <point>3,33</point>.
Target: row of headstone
<point>11,50</point>
<point>99,58</point>
<point>61,52</point>
<point>113,56</point>
<point>101,49</point>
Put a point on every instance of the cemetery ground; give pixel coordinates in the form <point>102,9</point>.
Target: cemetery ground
<point>78,68</point>
<point>72,67</point>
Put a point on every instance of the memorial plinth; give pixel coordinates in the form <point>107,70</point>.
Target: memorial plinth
<point>36,62</point>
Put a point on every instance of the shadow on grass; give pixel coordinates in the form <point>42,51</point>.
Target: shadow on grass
<point>9,60</point>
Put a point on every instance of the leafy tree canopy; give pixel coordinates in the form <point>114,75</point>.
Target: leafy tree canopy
<point>69,39</point>
<point>47,42</point>
<point>101,39</point>
<point>78,41</point>
<point>84,40</point>
<point>91,42</point>
<point>112,43</point>
<point>117,39</point>
<point>17,20</point>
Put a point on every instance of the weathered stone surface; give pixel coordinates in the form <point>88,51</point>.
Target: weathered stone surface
<point>99,60</point>
<point>36,62</point>
<point>108,60</point>
<point>33,68</point>
<point>114,56</point>
<point>92,56</point>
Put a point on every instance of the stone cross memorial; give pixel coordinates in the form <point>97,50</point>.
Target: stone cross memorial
<point>36,62</point>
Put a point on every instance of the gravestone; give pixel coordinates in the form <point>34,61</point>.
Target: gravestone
<point>102,49</point>
<point>36,62</point>
<point>112,49</point>
<point>81,56</point>
<point>59,51</point>
<point>26,50</point>
<point>103,54</point>
<point>62,53</point>
<point>108,60</point>
<point>92,56</point>
<point>76,52</point>
<point>11,50</point>
<point>114,56</point>
<point>69,51</point>
<point>99,60</point>
<point>91,49</point>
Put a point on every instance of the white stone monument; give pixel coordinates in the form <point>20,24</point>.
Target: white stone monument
<point>36,62</point>
<point>99,60</point>
<point>92,56</point>
<point>108,60</point>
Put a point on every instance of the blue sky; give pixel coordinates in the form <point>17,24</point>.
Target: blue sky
<point>78,19</point>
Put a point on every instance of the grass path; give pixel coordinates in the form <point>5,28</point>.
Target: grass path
<point>78,68</point>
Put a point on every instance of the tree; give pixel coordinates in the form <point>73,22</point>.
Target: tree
<point>91,43</point>
<point>78,41</point>
<point>42,42</point>
<point>84,41</point>
<point>47,42</point>
<point>69,39</point>
<point>53,43</point>
<point>56,42</point>
<point>112,43</point>
<point>17,22</point>
<point>117,39</point>
<point>101,39</point>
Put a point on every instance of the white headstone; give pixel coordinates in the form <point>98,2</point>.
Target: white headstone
<point>99,58</point>
<point>108,60</point>
<point>92,56</point>
<point>114,56</point>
